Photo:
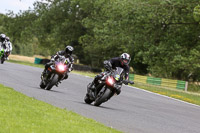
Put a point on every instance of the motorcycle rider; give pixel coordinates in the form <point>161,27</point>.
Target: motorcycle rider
<point>122,61</point>
<point>67,53</point>
<point>8,47</point>
<point>2,39</point>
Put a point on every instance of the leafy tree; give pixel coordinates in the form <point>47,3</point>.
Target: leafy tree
<point>161,36</point>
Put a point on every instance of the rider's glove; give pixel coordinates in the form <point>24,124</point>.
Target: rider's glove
<point>70,69</point>
<point>52,59</point>
<point>107,65</point>
<point>126,82</point>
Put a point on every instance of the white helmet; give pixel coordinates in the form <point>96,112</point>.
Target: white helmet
<point>125,58</point>
<point>3,37</point>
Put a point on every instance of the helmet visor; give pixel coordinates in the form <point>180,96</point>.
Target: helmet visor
<point>125,61</point>
<point>70,52</point>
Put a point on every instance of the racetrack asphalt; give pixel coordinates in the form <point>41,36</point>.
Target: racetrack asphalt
<point>133,111</point>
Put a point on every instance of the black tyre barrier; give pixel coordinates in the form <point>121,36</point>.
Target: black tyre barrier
<point>75,66</point>
<point>85,68</point>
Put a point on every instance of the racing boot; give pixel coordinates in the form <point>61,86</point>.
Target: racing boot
<point>91,90</point>
<point>44,74</point>
<point>118,91</point>
<point>59,81</point>
<point>65,76</point>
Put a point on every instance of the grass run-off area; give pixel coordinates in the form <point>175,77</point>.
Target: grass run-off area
<point>23,114</point>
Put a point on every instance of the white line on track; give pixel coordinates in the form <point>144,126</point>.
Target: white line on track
<point>164,96</point>
<point>153,93</point>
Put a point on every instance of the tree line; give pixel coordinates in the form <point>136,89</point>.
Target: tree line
<point>162,37</point>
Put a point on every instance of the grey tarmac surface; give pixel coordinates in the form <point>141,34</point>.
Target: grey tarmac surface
<point>133,111</point>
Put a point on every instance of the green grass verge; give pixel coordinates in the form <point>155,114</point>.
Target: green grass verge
<point>22,114</point>
<point>190,97</point>
<point>26,63</point>
<point>174,93</point>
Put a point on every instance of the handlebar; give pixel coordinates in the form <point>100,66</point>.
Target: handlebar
<point>131,82</point>
<point>127,81</point>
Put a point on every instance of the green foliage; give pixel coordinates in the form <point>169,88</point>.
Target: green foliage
<point>161,36</point>
<point>196,13</point>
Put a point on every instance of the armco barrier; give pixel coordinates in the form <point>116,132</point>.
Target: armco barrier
<point>140,79</point>
<point>167,83</point>
<point>154,81</point>
<point>181,85</point>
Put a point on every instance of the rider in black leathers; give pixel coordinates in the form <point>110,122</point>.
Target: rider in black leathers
<point>68,54</point>
<point>2,39</point>
<point>121,61</point>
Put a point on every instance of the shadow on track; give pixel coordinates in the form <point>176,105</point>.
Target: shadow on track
<point>101,107</point>
<point>48,90</point>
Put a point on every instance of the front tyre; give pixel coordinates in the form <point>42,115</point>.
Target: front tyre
<point>52,82</point>
<point>2,60</point>
<point>103,97</point>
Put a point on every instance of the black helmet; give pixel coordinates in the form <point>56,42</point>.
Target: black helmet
<point>2,37</point>
<point>69,50</point>
<point>125,59</point>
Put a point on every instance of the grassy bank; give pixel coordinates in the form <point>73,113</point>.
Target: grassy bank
<point>191,97</point>
<point>22,114</point>
<point>26,63</point>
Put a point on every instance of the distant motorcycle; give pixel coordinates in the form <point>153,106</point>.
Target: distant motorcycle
<point>107,87</point>
<point>56,73</point>
<point>3,55</point>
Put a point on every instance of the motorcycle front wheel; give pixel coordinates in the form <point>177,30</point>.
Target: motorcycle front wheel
<point>2,60</point>
<point>52,82</point>
<point>103,97</point>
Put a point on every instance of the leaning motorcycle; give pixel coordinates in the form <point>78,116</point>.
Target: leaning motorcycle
<point>106,87</point>
<point>2,55</point>
<point>55,74</point>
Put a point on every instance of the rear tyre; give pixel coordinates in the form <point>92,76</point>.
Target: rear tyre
<point>53,81</point>
<point>87,100</point>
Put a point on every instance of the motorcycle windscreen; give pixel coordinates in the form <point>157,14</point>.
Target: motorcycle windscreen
<point>118,73</point>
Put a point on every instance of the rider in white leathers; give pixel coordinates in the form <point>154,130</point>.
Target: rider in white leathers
<point>8,47</point>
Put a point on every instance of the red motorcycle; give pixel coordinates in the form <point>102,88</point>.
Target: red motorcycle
<point>56,72</point>
<point>107,87</point>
